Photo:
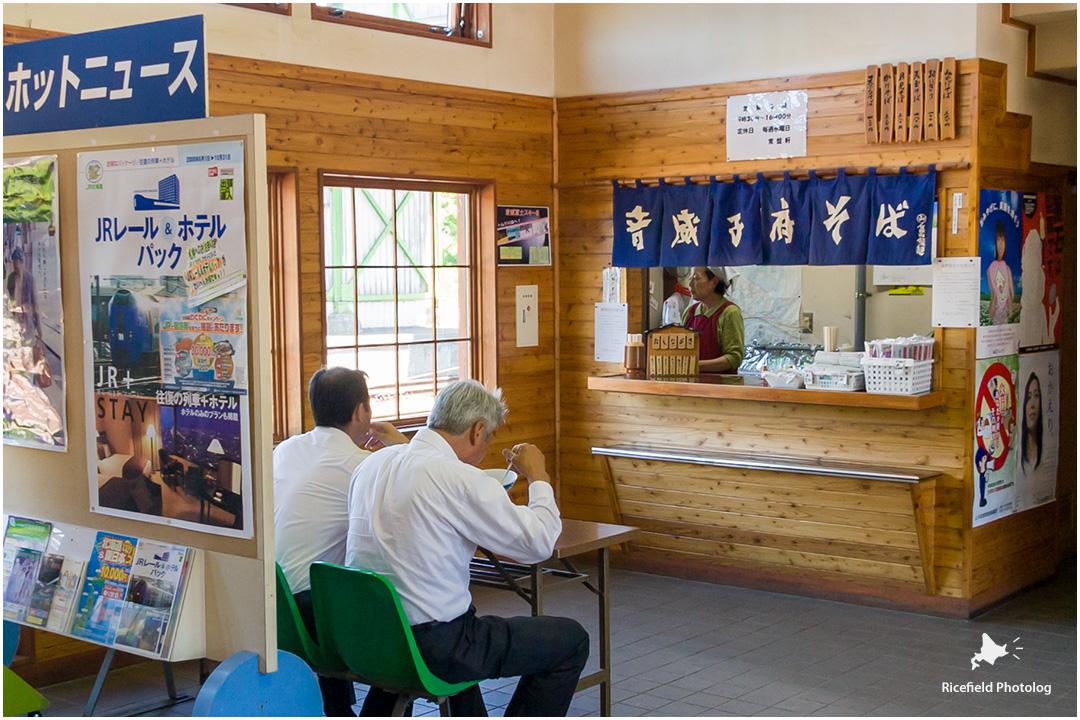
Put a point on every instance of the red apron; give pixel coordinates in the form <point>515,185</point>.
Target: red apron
<point>708,327</point>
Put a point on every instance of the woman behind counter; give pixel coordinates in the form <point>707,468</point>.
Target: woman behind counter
<point>719,321</point>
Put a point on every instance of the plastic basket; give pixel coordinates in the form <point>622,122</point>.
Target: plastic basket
<point>898,376</point>
<point>843,379</point>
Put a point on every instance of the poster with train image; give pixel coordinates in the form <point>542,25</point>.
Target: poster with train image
<point>163,253</point>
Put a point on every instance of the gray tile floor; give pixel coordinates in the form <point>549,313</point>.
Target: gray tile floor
<point>685,648</point>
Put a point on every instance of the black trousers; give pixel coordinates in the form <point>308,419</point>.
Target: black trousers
<point>548,653</point>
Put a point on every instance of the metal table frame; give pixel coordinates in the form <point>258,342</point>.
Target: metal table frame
<point>531,581</point>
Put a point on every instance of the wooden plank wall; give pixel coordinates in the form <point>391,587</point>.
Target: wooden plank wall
<point>330,120</point>
<point>681,132</point>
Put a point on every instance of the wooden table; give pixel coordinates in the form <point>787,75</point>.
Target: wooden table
<point>531,581</point>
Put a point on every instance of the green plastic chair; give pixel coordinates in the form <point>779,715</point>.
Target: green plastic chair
<point>20,698</point>
<point>361,614</point>
<point>293,636</point>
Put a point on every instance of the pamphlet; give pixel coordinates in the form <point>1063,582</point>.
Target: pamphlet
<point>24,570</point>
<point>42,598</point>
<point>152,596</point>
<point>65,596</point>
<point>107,577</point>
<point>20,533</point>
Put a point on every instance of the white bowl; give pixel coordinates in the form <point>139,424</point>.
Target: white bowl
<point>500,473</point>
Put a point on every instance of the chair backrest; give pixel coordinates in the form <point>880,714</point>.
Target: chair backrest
<point>19,697</point>
<point>360,614</point>
<point>292,634</point>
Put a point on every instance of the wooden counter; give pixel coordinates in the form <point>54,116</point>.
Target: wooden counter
<point>738,387</point>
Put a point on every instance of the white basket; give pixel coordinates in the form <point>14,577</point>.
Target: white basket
<point>832,378</point>
<point>898,376</point>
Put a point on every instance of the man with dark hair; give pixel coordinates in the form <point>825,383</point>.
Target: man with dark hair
<point>311,492</point>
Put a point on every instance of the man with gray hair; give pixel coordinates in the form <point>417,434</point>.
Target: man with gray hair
<point>417,513</point>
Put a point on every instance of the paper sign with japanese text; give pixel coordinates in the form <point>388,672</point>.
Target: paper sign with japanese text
<point>199,345</point>
<point>153,72</point>
<point>766,125</point>
<point>166,211</point>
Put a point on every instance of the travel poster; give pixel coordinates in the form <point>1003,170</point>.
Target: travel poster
<point>163,253</point>
<point>107,576</point>
<point>1039,417</point>
<point>152,596</point>
<point>995,439</point>
<point>35,412</point>
<point>66,595</point>
<point>1000,287</point>
<point>1041,264</point>
<point>523,235</point>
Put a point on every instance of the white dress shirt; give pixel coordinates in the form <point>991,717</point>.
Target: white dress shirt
<point>417,514</point>
<point>311,500</point>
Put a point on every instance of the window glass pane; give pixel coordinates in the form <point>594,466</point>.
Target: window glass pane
<point>380,364</point>
<point>436,14</point>
<point>453,362</point>
<point>340,307</point>
<point>414,240</point>
<point>341,357</point>
<point>451,229</point>
<point>338,227</point>
<point>374,227</point>
<point>416,368</point>
<point>451,303</point>
<point>375,306</point>
<point>415,305</point>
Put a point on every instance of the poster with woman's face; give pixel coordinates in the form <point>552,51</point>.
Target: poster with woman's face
<point>1000,289</point>
<point>1041,261</point>
<point>1038,397</point>
<point>995,439</point>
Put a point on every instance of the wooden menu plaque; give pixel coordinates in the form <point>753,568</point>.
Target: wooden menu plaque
<point>870,103</point>
<point>902,95</point>
<point>947,110</point>
<point>672,353</point>
<point>888,107</point>
<point>930,101</point>
<point>915,127</point>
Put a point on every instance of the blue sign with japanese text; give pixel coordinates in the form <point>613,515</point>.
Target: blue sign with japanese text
<point>736,219</point>
<point>902,209</point>
<point>636,224</point>
<point>840,209</point>
<point>687,223</point>
<point>153,72</point>
<point>785,220</point>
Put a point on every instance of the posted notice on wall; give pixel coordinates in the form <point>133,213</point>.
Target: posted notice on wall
<point>163,257</point>
<point>956,292</point>
<point>522,235</point>
<point>610,323</point>
<point>35,387</point>
<point>766,125</point>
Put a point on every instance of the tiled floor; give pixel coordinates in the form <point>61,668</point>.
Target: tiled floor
<point>685,648</point>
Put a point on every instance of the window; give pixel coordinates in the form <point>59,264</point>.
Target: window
<point>458,22</point>
<point>399,280</point>
<point>289,389</point>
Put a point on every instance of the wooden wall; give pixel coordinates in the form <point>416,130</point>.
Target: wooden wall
<point>327,120</point>
<point>681,132</point>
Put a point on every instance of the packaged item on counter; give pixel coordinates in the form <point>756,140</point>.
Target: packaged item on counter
<point>916,347</point>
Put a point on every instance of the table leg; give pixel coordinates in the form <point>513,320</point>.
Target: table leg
<point>605,630</point>
<point>536,573</point>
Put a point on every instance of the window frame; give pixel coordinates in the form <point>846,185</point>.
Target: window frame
<point>481,312</point>
<point>276,8</point>
<point>477,19</point>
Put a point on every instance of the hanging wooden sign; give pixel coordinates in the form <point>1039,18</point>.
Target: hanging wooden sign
<point>911,103</point>
<point>902,95</point>
<point>930,109</point>
<point>917,94</point>
<point>888,107</point>
<point>870,102</point>
<point>947,110</point>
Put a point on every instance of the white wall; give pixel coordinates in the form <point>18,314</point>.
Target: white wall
<point>1052,106</point>
<point>520,59</point>
<point>619,47</point>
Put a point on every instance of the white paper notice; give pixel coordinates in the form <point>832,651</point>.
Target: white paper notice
<point>766,125</point>
<point>528,326</point>
<point>610,340</point>
<point>956,292</point>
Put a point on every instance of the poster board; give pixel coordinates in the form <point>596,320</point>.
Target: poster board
<point>239,572</point>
